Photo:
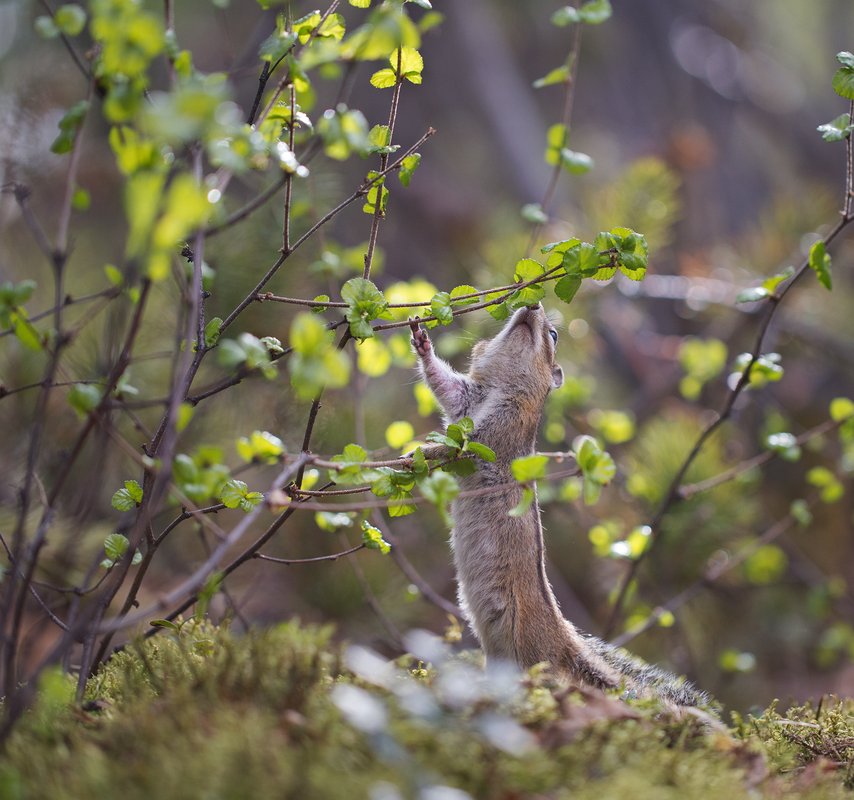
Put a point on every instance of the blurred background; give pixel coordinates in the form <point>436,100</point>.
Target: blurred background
<point>701,119</point>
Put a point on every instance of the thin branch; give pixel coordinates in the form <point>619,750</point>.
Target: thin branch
<point>360,192</point>
<point>378,206</point>
<point>291,561</point>
<point>195,581</point>
<point>689,490</point>
<point>569,96</point>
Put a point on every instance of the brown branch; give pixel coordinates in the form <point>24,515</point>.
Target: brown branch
<point>360,192</point>
<point>689,490</point>
<point>569,96</point>
<point>291,561</point>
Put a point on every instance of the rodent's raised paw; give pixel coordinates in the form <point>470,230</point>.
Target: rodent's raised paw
<point>420,339</point>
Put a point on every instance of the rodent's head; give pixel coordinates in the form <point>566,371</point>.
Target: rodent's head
<point>521,357</point>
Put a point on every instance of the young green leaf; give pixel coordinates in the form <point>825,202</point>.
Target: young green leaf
<point>524,503</point>
<point>480,450</point>
<point>843,80</point>
<point>558,75</point>
<point>408,167</point>
<point>529,468</point>
<point>440,307</point>
<point>820,264</point>
<point>372,538</point>
<point>837,130</point>
<point>128,497</point>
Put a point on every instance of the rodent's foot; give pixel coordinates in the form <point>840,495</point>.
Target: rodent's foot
<point>420,339</point>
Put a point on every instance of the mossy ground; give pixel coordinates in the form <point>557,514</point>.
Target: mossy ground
<point>283,713</point>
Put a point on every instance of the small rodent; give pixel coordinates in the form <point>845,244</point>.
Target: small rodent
<point>499,559</point>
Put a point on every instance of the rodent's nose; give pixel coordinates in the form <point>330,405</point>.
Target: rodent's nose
<point>537,306</point>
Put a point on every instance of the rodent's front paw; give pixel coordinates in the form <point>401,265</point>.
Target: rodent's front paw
<point>420,339</point>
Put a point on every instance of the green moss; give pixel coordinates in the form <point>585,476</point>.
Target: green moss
<point>205,713</point>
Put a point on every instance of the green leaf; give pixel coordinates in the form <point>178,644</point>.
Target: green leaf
<point>529,468</point>
<point>567,287</point>
<point>84,397</point>
<point>408,167</point>
<point>411,66</point>
<point>582,259</point>
<point>524,503</point>
<point>212,331</point>
<point>81,199</point>
<point>774,281</point>
<point>115,546</point>
<point>466,425</point>
<point>365,303</point>
<point>128,497</point>
<point>556,138</point>
<point>575,162</point>
<point>24,330</point>
<point>236,494</point>
<point>458,293</point>
<point>837,130</point>
<point>481,451</point>
<point>533,212</point>
<point>498,311</point>
<point>846,59</point>
<point>800,510</point>
<point>384,78</point>
<point>316,362</point>
<point>379,140</point>
<point>261,447</point>
<point>360,3</point>
<point>829,485</point>
<point>400,505</point>
<point>70,19</point>
<point>46,27</point>
<point>587,451</point>
<point>277,45</point>
<point>440,487</point>
<point>595,12</point>
<point>527,269</point>
<point>785,445</point>
<point>441,438</point>
<point>165,623</point>
<point>558,75</point>
<point>69,125</point>
<point>841,408</point>
<point>372,538</point>
<point>456,434</point>
<point>440,307</point>
<point>820,264</point>
<point>753,295</point>
<point>843,80</point>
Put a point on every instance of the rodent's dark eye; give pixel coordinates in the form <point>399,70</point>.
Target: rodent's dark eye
<point>553,334</point>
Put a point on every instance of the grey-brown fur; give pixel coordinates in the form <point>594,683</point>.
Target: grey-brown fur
<point>499,559</point>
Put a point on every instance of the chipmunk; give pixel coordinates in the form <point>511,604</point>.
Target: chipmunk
<point>499,559</point>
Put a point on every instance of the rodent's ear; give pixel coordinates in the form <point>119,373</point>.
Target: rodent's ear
<point>557,376</point>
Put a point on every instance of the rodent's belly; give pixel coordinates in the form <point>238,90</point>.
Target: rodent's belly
<point>495,559</point>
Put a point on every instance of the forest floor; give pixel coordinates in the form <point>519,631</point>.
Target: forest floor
<point>199,712</point>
